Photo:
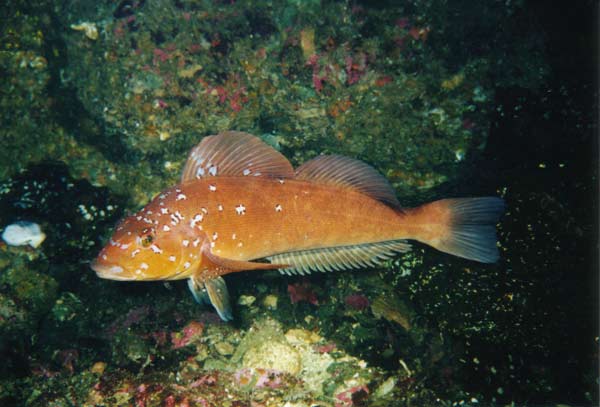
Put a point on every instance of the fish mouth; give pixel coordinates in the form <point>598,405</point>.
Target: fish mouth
<point>108,271</point>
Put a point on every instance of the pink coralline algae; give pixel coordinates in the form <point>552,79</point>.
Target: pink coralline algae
<point>134,316</point>
<point>356,67</point>
<point>259,378</point>
<point>327,348</point>
<point>302,292</point>
<point>357,302</point>
<point>189,334</point>
<point>354,396</point>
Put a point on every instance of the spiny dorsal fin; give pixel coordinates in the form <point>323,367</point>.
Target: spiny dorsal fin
<point>339,258</point>
<point>350,173</point>
<point>235,154</point>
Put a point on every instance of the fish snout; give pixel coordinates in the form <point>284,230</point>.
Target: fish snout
<point>107,270</point>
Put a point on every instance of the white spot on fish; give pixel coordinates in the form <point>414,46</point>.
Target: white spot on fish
<point>203,209</point>
<point>240,244</point>
<point>200,172</point>
<point>212,188</point>
<point>212,170</point>
<point>135,252</point>
<point>144,266</point>
<point>104,257</point>
<point>186,265</point>
<point>124,246</point>
<point>281,181</point>
<point>156,249</point>
<point>196,219</point>
<point>172,258</point>
<point>23,233</point>
<point>215,236</point>
<point>212,244</point>
<point>233,236</point>
<point>185,243</point>
<point>246,172</point>
<point>174,220</point>
<point>162,196</point>
<point>149,213</point>
<point>166,228</point>
<point>196,242</point>
<point>278,208</point>
<point>220,208</point>
<point>138,218</point>
<point>240,209</point>
<point>179,215</point>
<point>181,197</point>
<point>138,272</point>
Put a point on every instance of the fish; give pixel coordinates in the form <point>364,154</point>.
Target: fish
<point>241,206</point>
<point>22,233</point>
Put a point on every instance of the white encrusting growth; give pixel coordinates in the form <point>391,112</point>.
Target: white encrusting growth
<point>23,233</point>
<point>240,209</point>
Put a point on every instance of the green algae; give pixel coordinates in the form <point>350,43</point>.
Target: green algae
<point>27,295</point>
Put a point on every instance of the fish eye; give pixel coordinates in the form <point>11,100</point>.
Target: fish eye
<point>147,237</point>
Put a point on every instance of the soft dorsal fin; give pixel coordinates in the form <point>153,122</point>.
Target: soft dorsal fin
<point>235,154</point>
<point>350,173</point>
<point>339,258</point>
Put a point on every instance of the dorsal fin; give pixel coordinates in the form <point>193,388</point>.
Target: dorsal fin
<point>339,258</point>
<point>235,154</point>
<point>350,173</point>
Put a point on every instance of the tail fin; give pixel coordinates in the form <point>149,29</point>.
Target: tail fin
<point>466,227</point>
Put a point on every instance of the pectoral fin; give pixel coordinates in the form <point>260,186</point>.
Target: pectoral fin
<point>213,291</point>
<point>232,266</point>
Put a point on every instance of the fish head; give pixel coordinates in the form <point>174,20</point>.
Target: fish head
<point>141,249</point>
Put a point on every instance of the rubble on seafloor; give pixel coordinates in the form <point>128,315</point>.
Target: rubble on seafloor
<point>268,367</point>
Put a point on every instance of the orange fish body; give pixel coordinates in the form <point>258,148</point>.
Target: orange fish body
<point>240,201</point>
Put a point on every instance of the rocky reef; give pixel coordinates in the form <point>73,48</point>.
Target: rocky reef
<point>101,102</point>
